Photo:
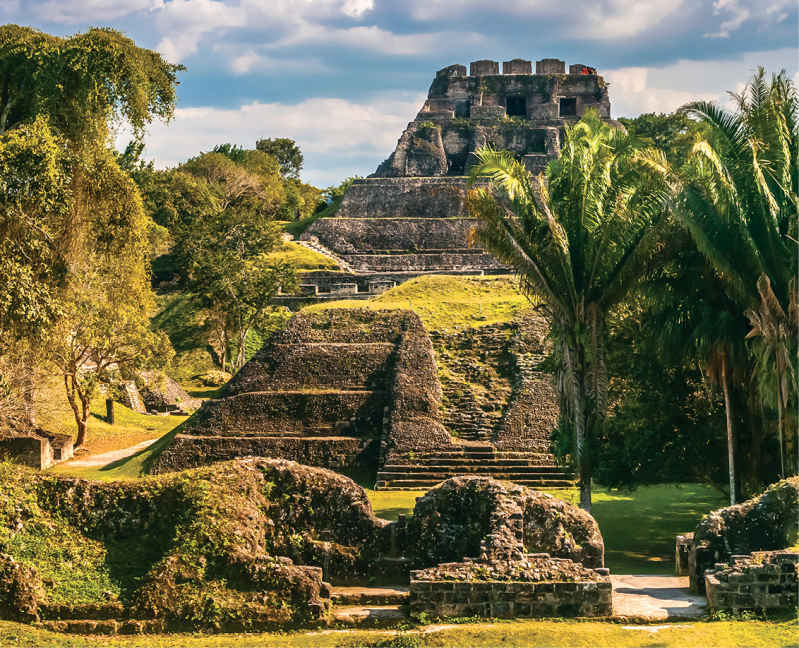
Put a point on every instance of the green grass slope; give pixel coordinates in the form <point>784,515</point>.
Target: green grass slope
<point>448,302</point>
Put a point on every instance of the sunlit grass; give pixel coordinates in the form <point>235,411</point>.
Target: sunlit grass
<point>447,301</point>
<point>515,634</point>
<point>130,428</point>
<point>302,258</point>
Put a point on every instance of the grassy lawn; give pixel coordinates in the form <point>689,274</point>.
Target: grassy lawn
<point>516,634</point>
<point>130,428</point>
<point>303,258</point>
<point>132,467</point>
<point>448,301</point>
<point>638,527</point>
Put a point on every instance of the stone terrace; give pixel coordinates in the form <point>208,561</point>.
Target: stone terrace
<point>358,391</point>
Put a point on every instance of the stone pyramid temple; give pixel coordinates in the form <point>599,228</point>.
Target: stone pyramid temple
<point>408,218</point>
<point>372,393</point>
<point>359,392</point>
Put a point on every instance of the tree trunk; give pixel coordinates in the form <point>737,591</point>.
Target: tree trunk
<point>83,422</point>
<point>69,385</point>
<point>29,387</point>
<point>728,412</point>
<point>779,431</point>
<point>575,363</point>
<point>241,354</point>
<point>583,465</point>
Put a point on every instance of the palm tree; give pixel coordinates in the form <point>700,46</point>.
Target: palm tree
<point>775,331</point>
<point>739,201</point>
<point>578,239</point>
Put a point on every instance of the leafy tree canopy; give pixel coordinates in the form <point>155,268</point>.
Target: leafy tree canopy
<point>286,152</point>
<point>83,82</point>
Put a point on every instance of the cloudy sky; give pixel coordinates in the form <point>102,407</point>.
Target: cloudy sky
<point>343,77</point>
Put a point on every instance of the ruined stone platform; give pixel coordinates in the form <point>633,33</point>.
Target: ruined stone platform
<point>358,391</point>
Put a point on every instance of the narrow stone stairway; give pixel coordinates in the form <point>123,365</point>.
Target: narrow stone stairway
<point>372,607</point>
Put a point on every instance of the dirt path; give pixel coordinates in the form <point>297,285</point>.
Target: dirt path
<point>107,457</point>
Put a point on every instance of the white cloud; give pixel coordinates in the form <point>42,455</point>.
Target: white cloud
<point>636,90</point>
<point>356,8</point>
<point>183,24</point>
<point>615,19</point>
<point>74,11</point>
<point>339,138</point>
<point>738,12</point>
<point>373,38</point>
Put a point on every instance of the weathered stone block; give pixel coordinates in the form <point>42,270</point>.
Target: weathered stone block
<point>483,68</point>
<point>517,66</point>
<point>550,66</point>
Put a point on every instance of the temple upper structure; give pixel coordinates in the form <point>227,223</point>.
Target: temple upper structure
<point>518,110</point>
<point>409,217</point>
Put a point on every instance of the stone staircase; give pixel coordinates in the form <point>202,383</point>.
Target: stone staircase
<point>426,469</point>
<point>369,606</point>
<point>314,244</point>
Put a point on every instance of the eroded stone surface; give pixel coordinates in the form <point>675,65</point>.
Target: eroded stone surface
<point>769,521</point>
<point>764,581</point>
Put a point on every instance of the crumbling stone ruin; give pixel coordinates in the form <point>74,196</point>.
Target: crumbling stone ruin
<point>35,447</point>
<point>160,393</point>
<point>725,539</point>
<point>358,391</point>
<point>409,218</point>
<point>761,582</point>
<point>252,544</point>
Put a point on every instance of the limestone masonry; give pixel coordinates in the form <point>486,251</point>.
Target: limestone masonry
<point>408,218</point>
<point>358,391</point>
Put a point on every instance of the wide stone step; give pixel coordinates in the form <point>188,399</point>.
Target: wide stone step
<point>529,471</point>
<point>488,461</point>
<point>419,483</point>
<point>533,460</point>
<point>351,596</point>
<point>439,477</point>
<point>374,616</point>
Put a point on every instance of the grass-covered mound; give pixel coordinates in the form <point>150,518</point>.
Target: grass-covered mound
<point>448,302</point>
<point>206,548</point>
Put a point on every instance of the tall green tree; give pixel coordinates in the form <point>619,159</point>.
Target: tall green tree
<point>739,202</point>
<point>579,238</point>
<point>70,212</point>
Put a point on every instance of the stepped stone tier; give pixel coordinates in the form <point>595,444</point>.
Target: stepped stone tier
<point>358,391</point>
<point>409,217</point>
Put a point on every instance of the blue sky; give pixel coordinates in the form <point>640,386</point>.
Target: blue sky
<point>343,77</point>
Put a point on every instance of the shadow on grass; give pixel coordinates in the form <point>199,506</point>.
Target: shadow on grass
<point>150,453</point>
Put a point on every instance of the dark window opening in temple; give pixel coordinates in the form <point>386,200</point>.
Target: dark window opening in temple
<point>516,106</point>
<point>462,109</point>
<point>568,106</point>
<point>537,142</point>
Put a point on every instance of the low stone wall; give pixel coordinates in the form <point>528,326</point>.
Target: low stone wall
<point>535,587</point>
<point>27,451</point>
<point>291,413</point>
<point>762,581</point>
<point>414,262</point>
<point>767,522</point>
